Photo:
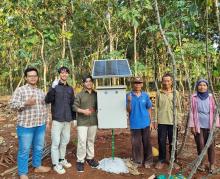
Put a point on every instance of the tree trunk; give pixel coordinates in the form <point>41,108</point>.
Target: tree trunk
<point>135,51</point>
<point>72,62</point>
<point>43,60</point>
<point>63,39</point>
<point>169,50</point>
<point>10,71</point>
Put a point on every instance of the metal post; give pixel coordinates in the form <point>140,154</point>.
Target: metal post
<point>113,145</point>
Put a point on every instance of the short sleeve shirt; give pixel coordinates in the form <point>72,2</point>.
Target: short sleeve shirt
<point>139,115</point>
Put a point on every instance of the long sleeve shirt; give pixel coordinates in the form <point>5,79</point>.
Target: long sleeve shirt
<point>29,116</point>
<point>86,100</point>
<point>164,108</point>
<point>194,115</point>
<point>61,98</point>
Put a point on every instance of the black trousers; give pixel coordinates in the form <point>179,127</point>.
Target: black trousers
<point>164,131</point>
<point>141,145</point>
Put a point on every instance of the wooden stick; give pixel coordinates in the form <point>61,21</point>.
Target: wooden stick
<point>46,152</point>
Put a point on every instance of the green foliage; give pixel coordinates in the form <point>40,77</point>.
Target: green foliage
<point>115,55</point>
<point>25,25</point>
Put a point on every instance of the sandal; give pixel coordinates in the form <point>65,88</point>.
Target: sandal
<point>201,168</point>
<point>159,165</point>
<point>176,166</point>
<point>148,164</point>
<point>213,170</point>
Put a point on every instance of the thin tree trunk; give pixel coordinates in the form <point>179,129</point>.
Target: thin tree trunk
<point>190,92</point>
<point>43,59</point>
<point>22,75</point>
<point>211,134</point>
<point>135,51</point>
<point>72,62</point>
<point>111,46</point>
<point>172,158</point>
<point>63,39</point>
<point>217,15</point>
<point>10,71</point>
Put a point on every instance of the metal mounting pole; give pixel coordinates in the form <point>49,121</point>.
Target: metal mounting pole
<point>113,145</point>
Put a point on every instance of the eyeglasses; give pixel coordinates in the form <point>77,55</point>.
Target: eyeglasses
<point>138,82</point>
<point>32,76</point>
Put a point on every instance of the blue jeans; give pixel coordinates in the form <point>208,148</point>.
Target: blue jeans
<point>30,138</point>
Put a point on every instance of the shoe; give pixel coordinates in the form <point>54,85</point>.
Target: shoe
<point>42,169</point>
<point>159,165</point>
<point>23,177</point>
<point>65,164</point>
<point>59,169</point>
<point>80,167</point>
<point>92,163</point>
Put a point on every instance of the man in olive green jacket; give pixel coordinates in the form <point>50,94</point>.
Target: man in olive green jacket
<point>85,104</point>
<point>164,118</point>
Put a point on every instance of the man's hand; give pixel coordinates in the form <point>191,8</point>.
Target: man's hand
<point>155,125</point>
<point>152,126</point>
<point>129,98</point>
<point>55,83</point>
<point>179,127</point>
<point>31,101</point>
<point>193,130</point>
<point>47,125</point>
<point>87,112</point>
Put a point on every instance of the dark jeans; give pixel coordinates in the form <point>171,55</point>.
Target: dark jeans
<point>201,139</point>
<point>164,131</point>
<point>141,145</point>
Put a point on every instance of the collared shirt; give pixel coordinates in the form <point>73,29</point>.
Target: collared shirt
<point>139,115</point>
<point>29,116</point>
<point>164,108</point>
<point>61,98</point>
<point>86,100</point>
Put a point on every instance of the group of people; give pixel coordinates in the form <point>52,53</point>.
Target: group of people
<point>202,115</point>
<point>32,106</point>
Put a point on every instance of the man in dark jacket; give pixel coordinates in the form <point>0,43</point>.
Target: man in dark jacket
<point>61,97</point>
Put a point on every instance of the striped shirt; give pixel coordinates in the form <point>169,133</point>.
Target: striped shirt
<point>29,116</point>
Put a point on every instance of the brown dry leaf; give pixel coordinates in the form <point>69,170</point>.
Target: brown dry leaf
<point>132,167</point>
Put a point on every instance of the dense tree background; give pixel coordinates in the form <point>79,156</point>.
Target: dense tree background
<point>49,33</point>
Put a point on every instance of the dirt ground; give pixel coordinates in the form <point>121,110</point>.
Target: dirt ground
<point>102,150</point>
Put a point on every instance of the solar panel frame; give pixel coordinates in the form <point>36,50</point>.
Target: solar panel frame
<point>111,68</point>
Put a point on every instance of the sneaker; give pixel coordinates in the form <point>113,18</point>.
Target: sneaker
<point>80,167</point>
<point>59,169</point>
<point>65,164</point>
<point>92,163</point>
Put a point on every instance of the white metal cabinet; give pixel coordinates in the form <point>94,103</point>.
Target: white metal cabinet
<point>112,107</point>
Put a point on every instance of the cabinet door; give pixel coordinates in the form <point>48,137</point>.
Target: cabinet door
<point>112,108</point>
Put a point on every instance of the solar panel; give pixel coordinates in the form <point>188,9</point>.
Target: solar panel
<point>111,68</point>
